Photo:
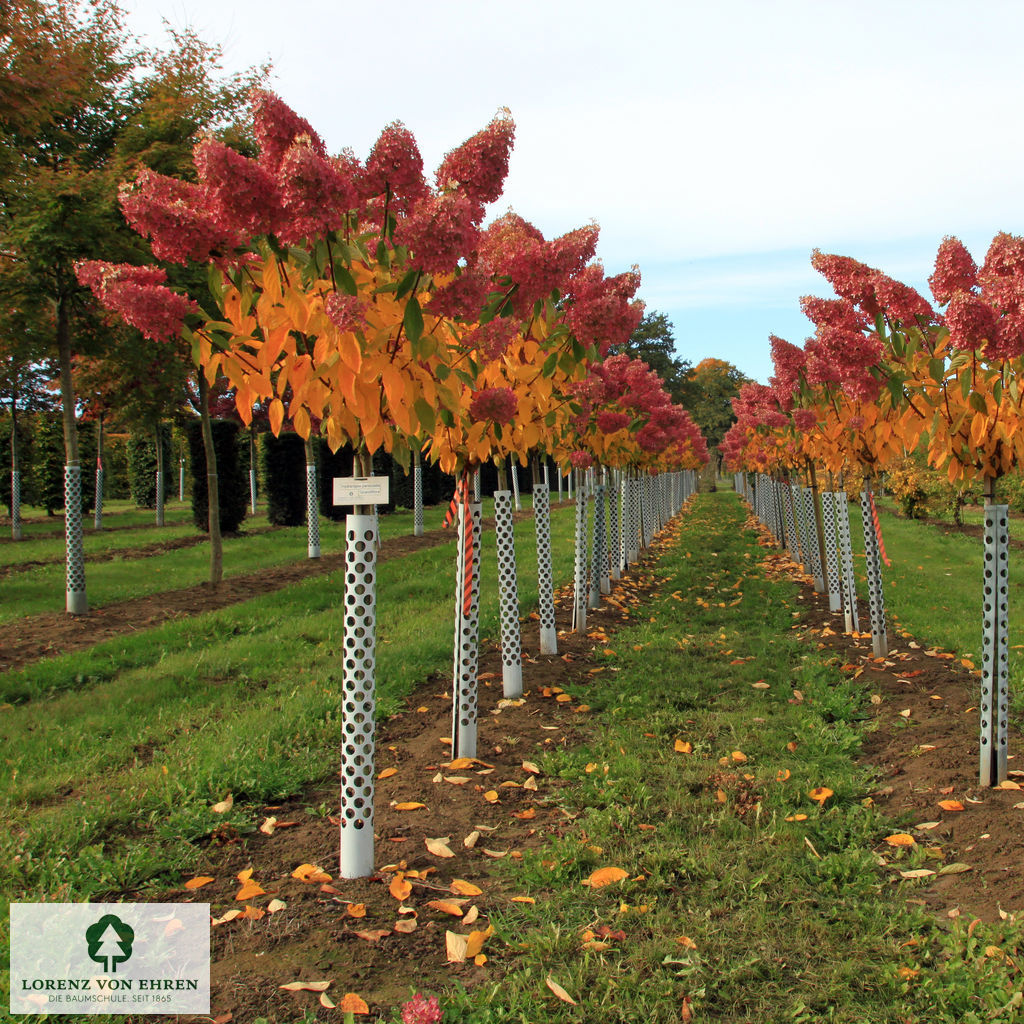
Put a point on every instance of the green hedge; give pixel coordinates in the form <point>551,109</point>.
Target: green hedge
<point>232,485</point>
<point>141,449</point>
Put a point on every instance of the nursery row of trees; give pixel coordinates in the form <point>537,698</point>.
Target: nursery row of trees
<point>887,374</point>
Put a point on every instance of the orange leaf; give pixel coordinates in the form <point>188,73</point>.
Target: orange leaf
<point>276,413</point>
<point>445,907</point>
<point>523,899</point>
<point>410,805</point>
<point>686,942</point>
<point>387,773</point>
<point>606,876</point>
<point>820,794</point>
<point>559,991</point>
<point>738,756</point>
<point>465,888</point>
<point>400,888</point>
<point>439,847</point>
<point>491,796</point>
<point>357,910</point>
<point>525,815</point>
<point>476,940</point>
<point>683,747</point>
<point>351,1003</point>
<point>249,890</point>
<point>901,839</point>
<point>951,805</point>
<point>405,926</point>
<point>783,775</point>
<point>310,873</point>
<point>374,936</point>
<point>198,882</point>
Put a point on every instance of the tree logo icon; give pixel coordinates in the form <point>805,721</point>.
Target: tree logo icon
<point>110,941</point>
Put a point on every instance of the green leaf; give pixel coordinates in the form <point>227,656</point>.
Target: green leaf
<point>441,371</point>
<point>344,279</point>
<point>383,257</point>
<point>965,385</point>
<point>413,320</point>
<point>424,413</point>
<point>997,390</point>
<point>937,368</point>
<point>549,365</point>
<point>215,282</point>
<point>977,402</point>
<point>406,284</point>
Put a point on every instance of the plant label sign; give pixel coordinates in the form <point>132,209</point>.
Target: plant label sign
<point>361,490</point>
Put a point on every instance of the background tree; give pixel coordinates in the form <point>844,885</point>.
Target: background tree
<point>654,342</point>
<point>713,384</point>
<point>86,108</point>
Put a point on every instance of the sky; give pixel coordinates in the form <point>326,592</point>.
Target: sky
<point>715,143</point>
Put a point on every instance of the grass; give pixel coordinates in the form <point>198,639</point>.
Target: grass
<point>41,589</point>
<point>118,752</point>
<point>733,905</point>
<point>933,589</point>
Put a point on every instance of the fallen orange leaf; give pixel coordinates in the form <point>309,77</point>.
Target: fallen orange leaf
<point>559,991</point>
<point>198,882</point>
<point>439,847</point>
<point>462,888</point>
<point>374,936</point>
<point>951,805</point>
<point>387,773</point>
<point>820,794</point>
<point>523,899</point>
<point>400,888</point>
<point>491,796</point>
<point>249,890</point>
<point>357,910</point>
<point>525,815</point>
<point>901,839</point>
<point>683,747</point>
<point>445,907</point>
<point>351,1003</point>
<point>310,873</point>
<point>605,876</point>
<point>409,805</point>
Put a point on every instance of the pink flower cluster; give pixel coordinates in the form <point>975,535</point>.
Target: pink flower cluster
<point>789,362</point>
<point>395,165</point>
<point>421,1010</point>
<point>317,192</point>
<point>490,339</point>
<point>580,459</point>
<point>499,405</point>
<point>346,312</point>
<point>479,166</point>
<point>440,230</point>
<point>276,126</point>
<point>600,309</point>
<point>139,296</point>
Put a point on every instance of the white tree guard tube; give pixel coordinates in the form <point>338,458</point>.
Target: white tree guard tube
<point>828,515</point>
<point>252,491</point>
<point>181,482</point>
<point>848,580</point>
<point>873,565</point>
<point>601,538</point>
<point>312,513</point>
<point>994,721</point>
<point>813,549</point>
<point>579,616</point>
<point>633,521</point>
<point>513,471</point>
<point>159,498</point>
<point>77,602</point>
<point>15,505</point>
<point>358,697</point>
<point>547,478</point>
<point>97,512</point>
<point>615,530</point>
<point>476,485</point>
<point>417,495</point>
<point>508,597</point>
<point>545,576</point>
<point>467,636</point>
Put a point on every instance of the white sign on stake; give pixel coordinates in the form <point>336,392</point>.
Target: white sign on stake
<point>361,490</point>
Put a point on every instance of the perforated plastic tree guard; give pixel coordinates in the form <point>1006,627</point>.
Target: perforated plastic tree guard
<point>813,548</point>
<point>599,583</point>
<point>615,528</point>
<point>77,604</point>
<point>633,521</point>
<point>995,694</point>
<point>159,498</point>
<point>847,579</point>
<point>467,636</point>
<point>15,504</point>
<point>508,597</point>
<point>181,483</point>
<point>358,697</point>
<point>579,618</point>
<point>476,485</point>
<point>97,511</point>
<point>252,491</point>
<point>873,565</point>
<point>417,496</point>
<point>545,577</point>
<point>312,513</point>
<point>513,472</point>
<point>828,514</point>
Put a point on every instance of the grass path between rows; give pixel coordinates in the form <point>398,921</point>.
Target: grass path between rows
<point>752,854</point>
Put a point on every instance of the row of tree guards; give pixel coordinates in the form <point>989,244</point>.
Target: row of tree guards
<point>886,374</point>
<point>624,511</point>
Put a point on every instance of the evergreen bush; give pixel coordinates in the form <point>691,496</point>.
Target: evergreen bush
<point>232,487</point>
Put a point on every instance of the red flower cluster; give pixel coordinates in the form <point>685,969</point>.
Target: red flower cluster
<point>609,422</point>
<point>955,270</point>
<point>420,1010</point>
<point>346,312</point>
<point>395,165</point>
<point>581,459</point>
<point>497,404</point>
<point>479,166</point>
<point>490,339</point>
<point>276,126</point>
<point>240,192</point>
<point>789,362</point>
<point>600,309</point>
<point>317,192</point>
<point>850,279</point>
<point>440,231</point>
<point>139,296</point>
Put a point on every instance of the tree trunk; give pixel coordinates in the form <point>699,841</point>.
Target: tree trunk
<point>212,492</point>
<point>76,600</point>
